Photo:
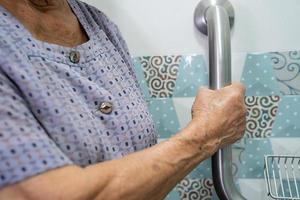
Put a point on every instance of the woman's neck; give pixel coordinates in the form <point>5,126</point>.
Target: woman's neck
<point>48,20</point>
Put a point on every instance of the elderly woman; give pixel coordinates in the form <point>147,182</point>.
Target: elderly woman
<point>73,121</point>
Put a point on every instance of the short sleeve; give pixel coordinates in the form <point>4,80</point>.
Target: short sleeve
<point>25,148</point>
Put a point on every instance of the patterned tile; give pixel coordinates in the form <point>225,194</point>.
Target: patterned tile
<point>287,69</point>
<point>248,157</point>
<point>286,146</point>
<point>287,122</point>
<point>164,116</point>
<point>202,171</point>
<point>271,118</point>
<point>261,112</point>
<point>253,189</point>
<point>167,76</point>
<point>258,76</point>
<point>183,108</point>
<point>173,195</point>
<point>160,73</point>
<point>192,75</point>
<point>195,189</point>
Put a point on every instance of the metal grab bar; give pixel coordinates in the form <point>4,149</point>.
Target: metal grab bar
<point>215,19</point>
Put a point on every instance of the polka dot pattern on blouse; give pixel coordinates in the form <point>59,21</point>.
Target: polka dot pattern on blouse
<point>50,103</point>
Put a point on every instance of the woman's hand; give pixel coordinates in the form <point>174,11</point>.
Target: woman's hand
<point>220,115</point>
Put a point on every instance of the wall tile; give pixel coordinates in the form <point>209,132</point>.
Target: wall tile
<point>167,76</point>
<point>200,189</point>
<point>287,121</point>
<point>287,69</point>
<point>192,75</point>
<point>254,189</point>
<point>286,146</point>
<point>272,118</point>
<point>249,157</point>
<point>160,73</point>
<point>258,76</point>
<point>173,195</point>
<point>288,188</point>
<point>164,116</point>
<point>183,109</point>
<point>202,171</point>
<point>261,112</point>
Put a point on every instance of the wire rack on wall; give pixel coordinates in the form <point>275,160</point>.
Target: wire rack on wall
<point>282,175</point>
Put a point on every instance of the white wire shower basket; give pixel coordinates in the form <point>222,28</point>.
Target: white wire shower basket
<point>282,175</point>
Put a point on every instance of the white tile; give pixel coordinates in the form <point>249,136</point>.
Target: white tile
<point>253,189</point>
<point>238,62</point>
<point>285,146</point>
<point>183,109</point>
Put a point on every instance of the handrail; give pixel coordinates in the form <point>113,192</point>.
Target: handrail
<point>215,18</point>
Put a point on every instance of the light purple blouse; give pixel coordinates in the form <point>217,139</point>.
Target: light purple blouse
<point>62,106</point>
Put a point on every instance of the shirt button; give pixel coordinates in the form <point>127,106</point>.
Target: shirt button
<point>74,56</point>
<point>106,107</point>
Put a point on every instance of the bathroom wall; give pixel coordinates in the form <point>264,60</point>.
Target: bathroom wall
<point>164,27</point>
<point>164,43</point>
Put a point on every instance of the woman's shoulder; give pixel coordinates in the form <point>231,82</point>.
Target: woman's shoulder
<point>7,23</point>
<point>98,19</point>
<point>95,16</point>
<point>11,34</point>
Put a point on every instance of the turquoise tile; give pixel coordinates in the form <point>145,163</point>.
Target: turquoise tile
<point>268,115</point>
<point>287,121</point>
<point>248,157</point>
<point>141,77</point>
<point>192,75</point>
<point>258,76</point>
<point>203,170</point>
<point>287,69</point>
<point>289,188</point>
<point>214,196</point>
<point>173,195</point>
<point>164,116</point>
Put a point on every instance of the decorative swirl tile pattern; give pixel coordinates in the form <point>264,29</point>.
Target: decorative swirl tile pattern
<point>287,68</point>
<point>195,189</point>
<point>270,119</point>
<point>160,73</point>
<point>261,112</point>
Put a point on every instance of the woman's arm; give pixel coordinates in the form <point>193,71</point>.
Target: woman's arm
<point>218,120</point>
